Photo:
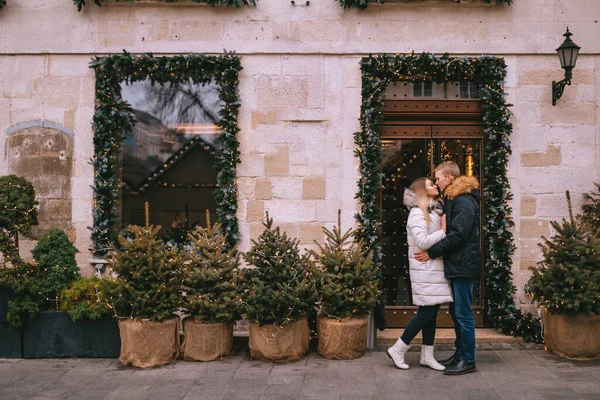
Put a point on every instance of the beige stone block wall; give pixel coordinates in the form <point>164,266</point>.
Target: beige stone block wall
<point>59,90</point>
<point>556,148</point>
<point>301,94</point>
<point>277,27</point>
<point>297,144</point>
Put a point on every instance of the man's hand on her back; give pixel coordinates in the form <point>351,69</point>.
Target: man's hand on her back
<point>421,256</point>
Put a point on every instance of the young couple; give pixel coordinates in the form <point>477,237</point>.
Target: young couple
<point>454,236</point>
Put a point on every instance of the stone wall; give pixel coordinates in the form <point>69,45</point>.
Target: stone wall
<point>300,91</point>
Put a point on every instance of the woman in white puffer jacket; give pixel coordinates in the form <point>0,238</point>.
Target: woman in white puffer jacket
<point>430,288</point>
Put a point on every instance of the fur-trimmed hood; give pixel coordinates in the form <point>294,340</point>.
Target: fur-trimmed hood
<point>410,199</point>
<point>461,185</point>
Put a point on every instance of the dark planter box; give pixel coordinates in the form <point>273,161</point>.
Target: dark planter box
<point>11,339</point>
<point>54,334</point>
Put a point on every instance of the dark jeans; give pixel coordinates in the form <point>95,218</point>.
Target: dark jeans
<point>425,320</point>
<point>462,315</point>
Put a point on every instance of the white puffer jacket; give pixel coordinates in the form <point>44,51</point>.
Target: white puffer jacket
<point>429,286</point>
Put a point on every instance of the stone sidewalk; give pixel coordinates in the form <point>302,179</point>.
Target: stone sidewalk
<point>504,371</point>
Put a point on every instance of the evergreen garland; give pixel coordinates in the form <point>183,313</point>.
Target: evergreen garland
<point>362,4</point>
<point>489,72</point>
<point>114,119</point>
<point>210,3</point>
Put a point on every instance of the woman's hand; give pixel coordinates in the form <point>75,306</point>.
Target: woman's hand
<point>444,223</point>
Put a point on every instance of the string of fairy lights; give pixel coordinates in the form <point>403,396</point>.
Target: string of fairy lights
<point>489,72</point>
<point>113,120</point>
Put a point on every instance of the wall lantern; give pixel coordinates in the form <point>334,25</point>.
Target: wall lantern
<point>567,54</point>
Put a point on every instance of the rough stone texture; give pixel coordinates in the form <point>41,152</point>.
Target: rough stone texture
<point>313,187</point>
<point>528,206</point>
<point>263,189</point>
<point>552,156</point>
<point>277,164</point>
<point>44,156</point>
<point>307,233</point>
<point>255,210</point>
<point>533,228</point>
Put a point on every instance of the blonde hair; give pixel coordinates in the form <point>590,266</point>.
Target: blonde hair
<point>419,186</point>
<point>448,168</point>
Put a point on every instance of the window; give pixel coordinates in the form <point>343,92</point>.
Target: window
<point>423,90</point>
<point>168,158</point>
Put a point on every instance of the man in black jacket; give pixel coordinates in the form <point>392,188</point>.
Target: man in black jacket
<point>461,250</point>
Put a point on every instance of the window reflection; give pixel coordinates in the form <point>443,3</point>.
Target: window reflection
<point>168,157</point>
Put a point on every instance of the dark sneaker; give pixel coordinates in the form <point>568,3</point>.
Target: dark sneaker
<point>461,368</point>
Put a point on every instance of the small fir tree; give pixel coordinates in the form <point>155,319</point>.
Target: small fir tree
<point>347,283</point>
<point>210,276</point>
<point>280,288</point>
<point>55,257</point>
<point>149,275</point>
<point>591,210</point>
<point>567,281</point>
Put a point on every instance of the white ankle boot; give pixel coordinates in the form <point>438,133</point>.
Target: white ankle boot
<point>427,359</point>
<point>397,352</point>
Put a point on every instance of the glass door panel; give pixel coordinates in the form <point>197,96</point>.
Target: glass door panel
<point>406,158</point>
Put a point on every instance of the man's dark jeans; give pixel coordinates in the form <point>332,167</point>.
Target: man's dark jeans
<point>462,315</point>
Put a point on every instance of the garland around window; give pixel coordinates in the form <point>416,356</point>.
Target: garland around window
<point>362,4</point>
<point>489,72</point>
<point>113,120</point>
<point>210,3</point>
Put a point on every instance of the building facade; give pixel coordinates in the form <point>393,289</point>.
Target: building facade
<point>300,103</point>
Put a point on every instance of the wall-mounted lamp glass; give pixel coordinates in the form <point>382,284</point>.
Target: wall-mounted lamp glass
<point>567,54</point>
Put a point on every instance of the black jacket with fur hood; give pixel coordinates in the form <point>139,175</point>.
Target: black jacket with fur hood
<point>461,248</point>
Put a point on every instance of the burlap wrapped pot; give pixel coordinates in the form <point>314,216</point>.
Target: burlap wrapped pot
<point>205,341</point>
<point>146,344</point>
<point>576,337</point>
<point>273,343</point>
<point>344,339</point>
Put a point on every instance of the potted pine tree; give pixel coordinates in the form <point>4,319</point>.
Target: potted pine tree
<point>347,290</point>
<point>146,295</point>
<point>566,285</point>
<point>209,295</point>
<point>277,294</point>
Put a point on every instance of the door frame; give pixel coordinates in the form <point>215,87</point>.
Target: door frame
<point>454,119</point>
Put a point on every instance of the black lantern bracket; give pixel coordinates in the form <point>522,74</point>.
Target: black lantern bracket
<point>567,54</point>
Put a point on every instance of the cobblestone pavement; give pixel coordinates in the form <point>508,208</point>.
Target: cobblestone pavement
<point>504,371</point>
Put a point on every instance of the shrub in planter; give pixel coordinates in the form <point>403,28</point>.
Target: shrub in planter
<point>18,213</point>
<point>347,290</point>
<point>277,294</point>
<point>37,287</point>
<point>85,299</point>
<point>210,295</point>
<point>147,290</point>
<point>566,285</point>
